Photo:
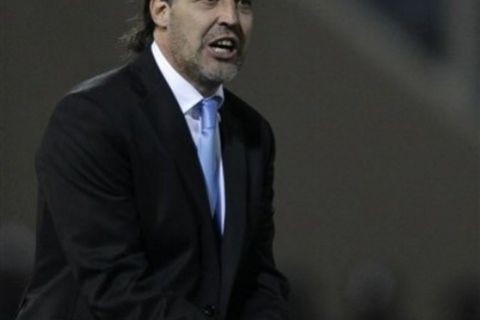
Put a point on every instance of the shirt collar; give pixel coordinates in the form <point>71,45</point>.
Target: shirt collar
<point>185,93</point>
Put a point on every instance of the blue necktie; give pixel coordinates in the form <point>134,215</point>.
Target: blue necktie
<point>207,153</point>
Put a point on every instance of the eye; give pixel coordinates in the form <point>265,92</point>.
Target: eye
<point>245,3</point>
<point>208,3</point>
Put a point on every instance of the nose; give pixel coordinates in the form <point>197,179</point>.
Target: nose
<point>228,13</point>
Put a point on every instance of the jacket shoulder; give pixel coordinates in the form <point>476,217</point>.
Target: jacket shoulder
<point>110,96</point>
<point>253,123</point>
<point>114,85</point>
<point>242,108</point>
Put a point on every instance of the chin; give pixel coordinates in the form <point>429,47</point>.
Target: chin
<point>222,74</point>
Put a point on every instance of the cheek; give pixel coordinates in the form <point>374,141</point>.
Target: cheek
<point>195,36</point>
<point>247,24</point>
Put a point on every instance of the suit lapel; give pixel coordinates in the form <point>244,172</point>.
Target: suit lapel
<point>235,173</point>
<point>169,122</point>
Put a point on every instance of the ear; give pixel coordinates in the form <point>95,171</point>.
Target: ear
<point>160,13</point>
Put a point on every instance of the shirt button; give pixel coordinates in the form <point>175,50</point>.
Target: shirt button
<point>209,310</point>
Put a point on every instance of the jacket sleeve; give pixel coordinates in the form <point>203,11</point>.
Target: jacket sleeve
<point>268,299</point>
<point>83,170</point>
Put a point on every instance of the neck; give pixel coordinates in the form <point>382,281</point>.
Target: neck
<point>206,90</point>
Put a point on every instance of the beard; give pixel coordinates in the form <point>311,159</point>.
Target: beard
<point>194,64</point>
<point>222,73</point>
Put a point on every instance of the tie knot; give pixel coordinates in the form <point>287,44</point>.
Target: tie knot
<point>209,108</point>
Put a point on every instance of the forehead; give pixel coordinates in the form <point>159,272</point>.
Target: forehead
<point>247,2</point>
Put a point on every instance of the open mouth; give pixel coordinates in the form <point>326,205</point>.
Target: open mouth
<point>224,48</point>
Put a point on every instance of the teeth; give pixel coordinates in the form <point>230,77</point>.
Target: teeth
<point>223,46</point>
<point>225,43</point>
<point>220,50</point>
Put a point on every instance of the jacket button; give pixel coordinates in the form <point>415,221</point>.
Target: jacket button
<point>209,310</point>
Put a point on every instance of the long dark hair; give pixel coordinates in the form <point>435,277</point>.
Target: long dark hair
<point>141,34</point>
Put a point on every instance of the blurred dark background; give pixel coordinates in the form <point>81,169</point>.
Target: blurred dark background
<point>378,185</point>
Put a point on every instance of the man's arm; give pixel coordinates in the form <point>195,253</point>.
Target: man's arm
<point>84,172</point>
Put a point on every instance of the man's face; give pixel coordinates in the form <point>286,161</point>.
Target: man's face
<point>206,40</point>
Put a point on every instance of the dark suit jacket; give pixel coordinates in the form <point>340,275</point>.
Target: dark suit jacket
<point>124,229</point>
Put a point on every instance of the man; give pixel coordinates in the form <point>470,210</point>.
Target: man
<point>155,183</point>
